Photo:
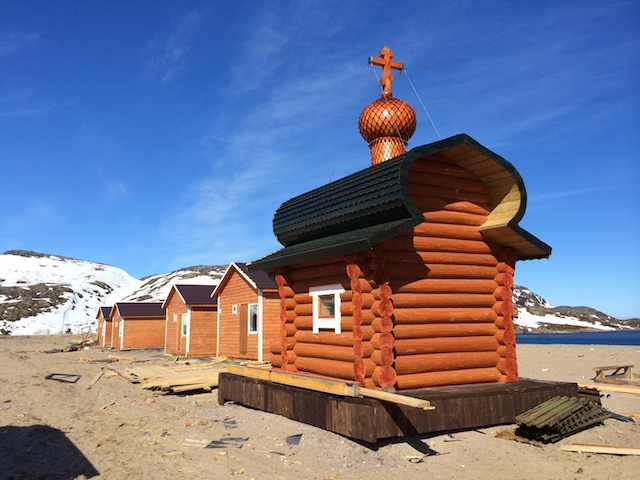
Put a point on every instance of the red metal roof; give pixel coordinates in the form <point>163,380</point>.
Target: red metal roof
<point>140,309</point>
<point>197,294</point>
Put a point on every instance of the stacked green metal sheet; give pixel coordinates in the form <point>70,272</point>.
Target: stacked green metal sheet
<point>558,418</point>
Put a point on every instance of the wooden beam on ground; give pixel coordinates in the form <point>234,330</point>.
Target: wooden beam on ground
<point>594,448</point>
<point>296,380</point>
<point>127,377</point>
<point>612,388</point>
<point>396,398</point>
<point>95,379</point>
<point>328,386</point>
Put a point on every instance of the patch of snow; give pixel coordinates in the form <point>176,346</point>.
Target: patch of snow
<point>529,320</point>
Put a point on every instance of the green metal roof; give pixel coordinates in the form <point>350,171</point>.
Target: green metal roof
<point>354,213</point>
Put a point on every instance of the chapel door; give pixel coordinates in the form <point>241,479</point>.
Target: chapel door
<point>244,328</point>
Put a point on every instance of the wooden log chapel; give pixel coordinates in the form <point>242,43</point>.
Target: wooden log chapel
<point>399,277</point>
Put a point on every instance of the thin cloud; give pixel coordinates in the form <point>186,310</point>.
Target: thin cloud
<point>167,58</point>
<point>12,41</point>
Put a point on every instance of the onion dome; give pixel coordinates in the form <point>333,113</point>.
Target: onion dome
<point>387,124</point>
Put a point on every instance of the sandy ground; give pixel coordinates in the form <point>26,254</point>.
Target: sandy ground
<point>115,429</point>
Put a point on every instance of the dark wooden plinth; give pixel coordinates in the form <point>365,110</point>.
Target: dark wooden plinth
<point>458,407</point>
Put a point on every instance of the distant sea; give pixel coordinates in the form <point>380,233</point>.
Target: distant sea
<point>617,337</point>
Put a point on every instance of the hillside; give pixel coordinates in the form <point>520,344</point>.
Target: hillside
<point>51,294</point>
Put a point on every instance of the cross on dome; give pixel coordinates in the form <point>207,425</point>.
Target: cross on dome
<point>384,61</point>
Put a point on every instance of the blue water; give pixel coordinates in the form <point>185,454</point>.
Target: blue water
<point>624,337</point>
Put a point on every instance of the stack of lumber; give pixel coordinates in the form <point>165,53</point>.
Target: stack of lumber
<point>178,378</point>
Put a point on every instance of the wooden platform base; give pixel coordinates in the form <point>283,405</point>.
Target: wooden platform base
<point>459,407</point>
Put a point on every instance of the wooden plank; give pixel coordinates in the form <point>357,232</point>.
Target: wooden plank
<point>95,379</point>
<point>301,381</point>
<point>596,448</point>
<point>631,390</point>
<point>395,398</point>
<point>127,377</point>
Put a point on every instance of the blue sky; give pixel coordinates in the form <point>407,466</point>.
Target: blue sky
<point>158,135</point>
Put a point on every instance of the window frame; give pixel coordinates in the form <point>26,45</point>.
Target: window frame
<point>251,306</point>
<point>322,322</point>
<point>184,325</point>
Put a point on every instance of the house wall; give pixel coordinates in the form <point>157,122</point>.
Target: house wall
<point>143,332</point>
<point>174,343</point>
<point>429,307</point>
<point>203,330</point>
<point>236,292</point>
<point>106,340</point>
<point>115,329</point>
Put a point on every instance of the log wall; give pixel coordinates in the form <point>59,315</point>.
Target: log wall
<point>429,307</point>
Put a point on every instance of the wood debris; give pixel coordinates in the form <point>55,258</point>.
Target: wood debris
<point>178,378</point>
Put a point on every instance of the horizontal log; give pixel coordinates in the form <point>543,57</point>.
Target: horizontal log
<point>443,345</point>
<point>275,346</point>
<point>444,330</point>
<point>503,294</point>
<point>438,300</point>
<point>443,285</point>
<point>344,339</point>
<point>441,362</point>
<point>319,271</point>
<point>404,270</point>
<point>432,179</point>
<point>505,337</point>
<point>404,316</point>
<point>431,203</point>
<point>409,242</point>
<point>445,258</point>
<point>447,194</point>
<point>302,286</point>
<point>454,218</point>
<point>331,352</point>
<point>438,163</point>
<point>505,280</point>
<point>332,368</point>
<point>454,377</point>
<point>460,232</point>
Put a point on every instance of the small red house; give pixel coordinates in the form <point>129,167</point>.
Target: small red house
<point>137,325</point>
<point>191,320</point>
<point>104,326</point>
<point>400,276</point>
<point>248,310</point>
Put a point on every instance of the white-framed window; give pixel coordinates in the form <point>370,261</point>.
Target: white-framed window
<point>253,317</point>
<point>234,309</point>
<point>185,324</point>
<point>175,317</point>
<point>326,307</point>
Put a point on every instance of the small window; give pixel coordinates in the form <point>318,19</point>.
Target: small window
<point>253,318</point>
<point>185,324</point>
<point>326,307</point>
<point>175,317</point>
<point>234,309</point>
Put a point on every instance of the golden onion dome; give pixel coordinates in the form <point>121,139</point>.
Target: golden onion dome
<point>387,116</point>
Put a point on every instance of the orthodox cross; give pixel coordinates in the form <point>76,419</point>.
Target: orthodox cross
<point>384,61</point>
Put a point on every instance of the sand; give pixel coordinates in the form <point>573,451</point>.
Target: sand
<point>115,429</point>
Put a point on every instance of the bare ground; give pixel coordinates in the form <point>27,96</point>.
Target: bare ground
<point>63,430</point>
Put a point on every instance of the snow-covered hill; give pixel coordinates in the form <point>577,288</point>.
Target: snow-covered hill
<point>50,294</point>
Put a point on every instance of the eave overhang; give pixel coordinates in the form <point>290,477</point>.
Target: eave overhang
<point>354,213</point>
